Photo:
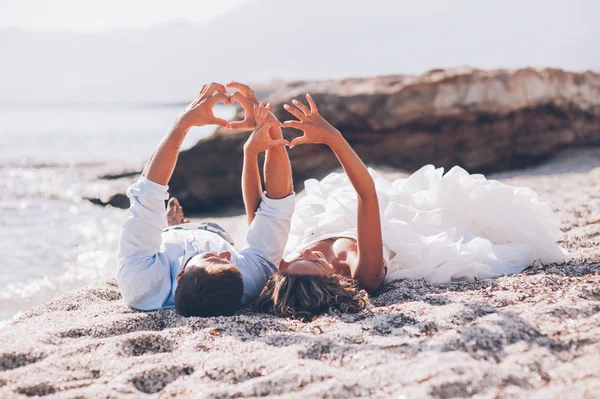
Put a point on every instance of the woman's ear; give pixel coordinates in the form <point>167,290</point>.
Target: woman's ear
<point>283,265</point>
<point>179,275</point>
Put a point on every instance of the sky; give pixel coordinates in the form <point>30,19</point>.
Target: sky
<point>105,15</point>
<point>143,51</point>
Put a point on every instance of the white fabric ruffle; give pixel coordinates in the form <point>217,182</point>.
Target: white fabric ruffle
<point>435,226</point>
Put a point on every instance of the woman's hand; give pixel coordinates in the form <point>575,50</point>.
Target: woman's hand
<point>260,141</point>
<point>247,99</point>
<point>316,129</point>
<point>200,111</point>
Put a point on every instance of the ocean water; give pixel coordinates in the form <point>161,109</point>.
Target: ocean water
<point>51,238</point>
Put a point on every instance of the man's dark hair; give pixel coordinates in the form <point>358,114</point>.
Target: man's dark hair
<point>212,290</point>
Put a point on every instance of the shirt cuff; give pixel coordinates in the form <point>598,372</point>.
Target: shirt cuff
<point>147,188</point>
<point>278,208</point>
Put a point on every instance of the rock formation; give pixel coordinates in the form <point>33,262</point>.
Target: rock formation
<point>482,120</point>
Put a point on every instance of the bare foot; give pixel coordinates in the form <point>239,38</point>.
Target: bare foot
<point>175,213</point>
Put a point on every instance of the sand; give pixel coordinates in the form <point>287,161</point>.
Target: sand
<point>535,334</point>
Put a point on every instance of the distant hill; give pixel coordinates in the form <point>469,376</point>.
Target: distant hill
<point>274,39</point>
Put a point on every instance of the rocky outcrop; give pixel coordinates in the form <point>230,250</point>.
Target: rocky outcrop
<point>481,120</point>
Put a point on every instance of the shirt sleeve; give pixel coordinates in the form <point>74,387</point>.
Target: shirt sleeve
<point>144,278</point>
<point>268,233</point>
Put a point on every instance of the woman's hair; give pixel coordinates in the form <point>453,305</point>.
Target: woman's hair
<point>305,296</point>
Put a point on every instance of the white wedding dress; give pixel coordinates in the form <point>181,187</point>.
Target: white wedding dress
<point>435,226</point>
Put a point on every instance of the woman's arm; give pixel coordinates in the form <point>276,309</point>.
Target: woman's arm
<point>259,141</point>
<point>370,269</point>
<point>251,185</point>
<point>277,167</point>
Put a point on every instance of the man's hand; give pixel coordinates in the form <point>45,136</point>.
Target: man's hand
<point>260,141</point>
<point>200,111</point>
<point>316,129</point>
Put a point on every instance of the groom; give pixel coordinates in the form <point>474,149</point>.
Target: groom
<point>195,268</point>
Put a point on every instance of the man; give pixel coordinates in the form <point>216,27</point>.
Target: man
<point>195,268</point>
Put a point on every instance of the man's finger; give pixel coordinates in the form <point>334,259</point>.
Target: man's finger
<point>203,89</point>
<point>293,111</point>
<point>313,106</point>
<point>293,124</point>
<point>301,107</point>
<point>244,89</point>
<point>219,97</point>
<point>212,87</point>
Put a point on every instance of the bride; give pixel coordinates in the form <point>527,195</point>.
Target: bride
<point>357,230</point>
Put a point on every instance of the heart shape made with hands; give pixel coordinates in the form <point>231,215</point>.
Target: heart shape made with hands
<point>315,128</point>
<point>246,97</point>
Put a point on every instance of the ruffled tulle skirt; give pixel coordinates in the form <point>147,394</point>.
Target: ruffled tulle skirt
<point>436,226</point>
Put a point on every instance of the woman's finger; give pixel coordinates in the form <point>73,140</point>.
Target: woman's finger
<point>260,110</point>
<point>313,106</point>
<point>293,124</point>
<point>240,125</point>
<point>298,141</point>
<point>244,101</point>
<point>271,123</point>
<point>275,143</point>
<point>297,113</point>
<point>301,107</point>
<point>255,112</point>
<point>221,122</point>
<point>265,113</point>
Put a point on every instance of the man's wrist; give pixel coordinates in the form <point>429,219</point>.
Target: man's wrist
<point>181,125</point>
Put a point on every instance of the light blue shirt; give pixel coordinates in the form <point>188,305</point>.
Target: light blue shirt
<point>149,259</point>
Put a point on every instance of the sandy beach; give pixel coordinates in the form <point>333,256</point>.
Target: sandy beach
<point>535,334</point>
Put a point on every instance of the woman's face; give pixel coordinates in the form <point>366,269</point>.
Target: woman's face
<point>309,263</point>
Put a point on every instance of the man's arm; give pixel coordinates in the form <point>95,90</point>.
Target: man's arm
<point>161,164</point>
<point>277,172</point>
<point>143,274</point>
<point>143,277</point>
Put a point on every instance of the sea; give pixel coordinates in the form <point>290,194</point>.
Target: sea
<point>52,239</point>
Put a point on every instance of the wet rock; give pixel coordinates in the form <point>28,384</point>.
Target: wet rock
<point>117,200</point>
<point>484,121</point>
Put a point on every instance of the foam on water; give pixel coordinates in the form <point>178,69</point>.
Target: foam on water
<point>51,238</point>
<point>49,246</point>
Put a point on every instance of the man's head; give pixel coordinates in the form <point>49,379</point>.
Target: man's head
<point>209,285</point>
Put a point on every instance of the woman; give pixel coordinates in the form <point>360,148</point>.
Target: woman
<point>357,230</point>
